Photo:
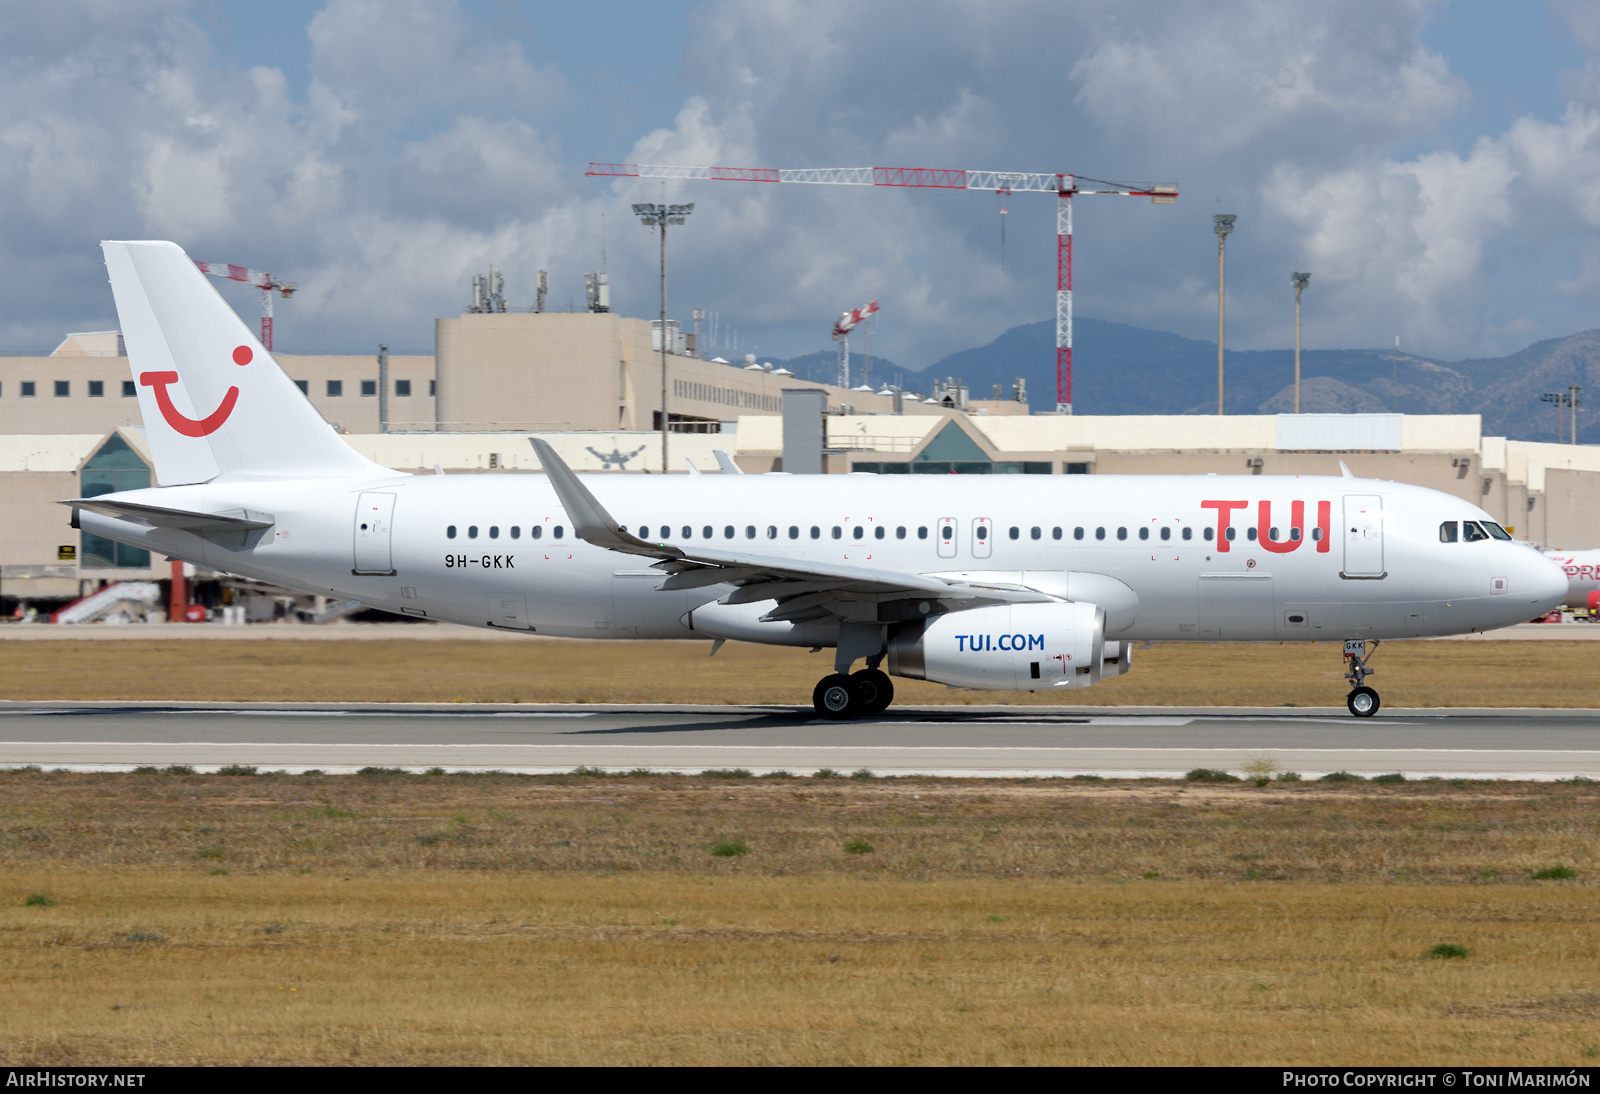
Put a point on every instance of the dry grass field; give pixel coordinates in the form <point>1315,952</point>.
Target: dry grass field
<point>165,918</point>
<point>1491,674</point>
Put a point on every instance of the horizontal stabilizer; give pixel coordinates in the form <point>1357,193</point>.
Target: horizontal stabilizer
<point>182,520</point>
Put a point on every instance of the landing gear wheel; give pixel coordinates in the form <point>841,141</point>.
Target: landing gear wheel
<point>1363,702</point>
<point>836,697</point>
<point>874,690</point>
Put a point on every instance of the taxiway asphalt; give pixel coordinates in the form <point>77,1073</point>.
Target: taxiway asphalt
<point>951,741</point>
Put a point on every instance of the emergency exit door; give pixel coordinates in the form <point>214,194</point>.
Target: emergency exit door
<point>982,530</point>
<point>373,529</point>
<point>1363,536</point>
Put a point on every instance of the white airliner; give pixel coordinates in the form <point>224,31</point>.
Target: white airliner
<point>1583,577</point>
<point>1006,583</point>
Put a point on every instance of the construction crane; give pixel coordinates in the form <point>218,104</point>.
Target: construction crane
<point>267,283</point>
<point>846,323</point>
<point>1064,186</point>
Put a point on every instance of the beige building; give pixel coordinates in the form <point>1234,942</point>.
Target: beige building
<point>84,385</point>
<point>586,370</point>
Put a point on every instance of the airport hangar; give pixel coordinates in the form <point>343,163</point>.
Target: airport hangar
<point>589,382</point>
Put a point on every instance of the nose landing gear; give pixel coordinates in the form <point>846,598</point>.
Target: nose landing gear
<point>1362,701</point>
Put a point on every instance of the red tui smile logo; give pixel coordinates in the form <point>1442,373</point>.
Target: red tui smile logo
<point>189,427</point>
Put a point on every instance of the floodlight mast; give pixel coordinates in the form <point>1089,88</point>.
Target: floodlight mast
<point>1064,186</point>
<point>1300,281</point>
<point>1222,224</point>
<point>659,216</point>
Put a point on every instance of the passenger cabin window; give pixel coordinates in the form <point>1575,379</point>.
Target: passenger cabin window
<point>838,533</point>
<point>1122,533</point>
<point>1294,534</point>
<point>900,532</point>
<point>1250,534</point>
<point>705,533</point>
<point>688,532</point>
<point>1208,534</point>
<point>1036,532</point>
<point>1014,532</point>
<point>1316,535</point>
<point>749,531</point>
<point>1232,533</point>
<point>1188,533</point>
<point>472,531</point>
<point>922,532</point>
<point>1472,532</point>
<point>450,532</point>
<point>772,531</point>
<point>494,531</point>
<point>516,533</point>
<point>556,531</point>
<point>983,533</point>
<point>535,531</point>
<point>816,533</point>
<point>879,532</point>
<point>794,531</point>
<point>1099,533</point>
<point>1166,533</point>
<point>947,532</point>
<point>860,531</point>
<point>727,532</point>
<point>666,533</point>
<point>1144,533</point>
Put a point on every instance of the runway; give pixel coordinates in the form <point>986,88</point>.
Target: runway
<point>999,741</point>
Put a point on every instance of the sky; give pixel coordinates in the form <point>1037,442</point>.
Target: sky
<point>1433,165</point>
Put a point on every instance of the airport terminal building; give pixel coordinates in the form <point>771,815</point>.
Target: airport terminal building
<point>590,384</point>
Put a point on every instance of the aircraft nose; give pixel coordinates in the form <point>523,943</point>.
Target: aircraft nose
<point>1546,583</point>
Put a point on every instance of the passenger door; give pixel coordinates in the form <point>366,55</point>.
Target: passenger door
<point>947,537</point>
<point>1363,536</point>
<point>982,533</point>
<point>373,528</point>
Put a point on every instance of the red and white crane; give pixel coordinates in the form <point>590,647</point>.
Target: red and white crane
<point>842,327</point>
<point>267,283</point>
<point>1064,186</point>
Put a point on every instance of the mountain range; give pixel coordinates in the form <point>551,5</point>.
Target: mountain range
<point>1121,369</point>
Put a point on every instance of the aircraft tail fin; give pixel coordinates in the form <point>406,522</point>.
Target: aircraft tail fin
<point>215,403</point>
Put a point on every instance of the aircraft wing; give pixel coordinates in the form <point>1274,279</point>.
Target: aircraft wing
<point>804,590</point>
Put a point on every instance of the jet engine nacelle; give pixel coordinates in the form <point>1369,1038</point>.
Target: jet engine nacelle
<point>1009,647</point>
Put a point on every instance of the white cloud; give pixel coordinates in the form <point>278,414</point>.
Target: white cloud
<point>419,153</point>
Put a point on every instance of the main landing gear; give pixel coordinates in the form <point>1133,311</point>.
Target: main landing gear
<point>1362,700</point>
<point>839,697</point>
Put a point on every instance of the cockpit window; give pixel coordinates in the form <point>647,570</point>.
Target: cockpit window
<point>1447,532</point>
<point>1472,532</point>
<point>1495,530</point>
